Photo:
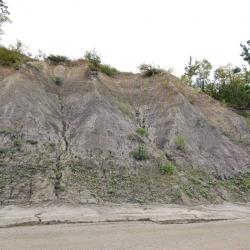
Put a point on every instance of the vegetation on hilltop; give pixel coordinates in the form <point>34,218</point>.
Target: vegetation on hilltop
<point>229,84</point>
<point>149,70</point>
<point>95,63</point>
<point>15,55</point>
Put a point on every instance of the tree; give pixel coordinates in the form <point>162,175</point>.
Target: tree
<point>246,52</point>
<point>191,70</point>
<point>231,85</point>
<point>4,13</point>
<point>203,73</point>
<point>197,73</point>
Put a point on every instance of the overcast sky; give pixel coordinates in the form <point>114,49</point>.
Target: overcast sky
<point>127,33</point>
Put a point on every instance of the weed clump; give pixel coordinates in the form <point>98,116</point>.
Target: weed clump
<point>149,70</point>
<point>181,143</point>
<point>140,153</point>
<point>108,70</point>
<point>57,59</point>
<point>142,132</point>
<point>93,60</point>
<point>168,168</point>
<point>95,64</point>
<point>10,57</point>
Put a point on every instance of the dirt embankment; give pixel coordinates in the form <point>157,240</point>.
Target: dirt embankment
<point>67,135</point>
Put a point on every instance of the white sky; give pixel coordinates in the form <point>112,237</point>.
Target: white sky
<point>127,33</point>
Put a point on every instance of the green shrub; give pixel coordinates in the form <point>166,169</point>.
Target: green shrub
<point>94,63</point>
<point>140,153</point>
<point>57,59</point>
<point>93,59</point>
<point>12,58</point>
<point>108,70</point>
<point>180,143</point>
<point>168,168</point>
<point>142,131</point>
<point>149,70</point>
<point>204,193</point>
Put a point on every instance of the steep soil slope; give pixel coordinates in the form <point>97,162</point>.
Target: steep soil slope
<point>70,135</point>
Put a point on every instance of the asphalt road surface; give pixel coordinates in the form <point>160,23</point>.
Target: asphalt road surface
<point>224,235</point>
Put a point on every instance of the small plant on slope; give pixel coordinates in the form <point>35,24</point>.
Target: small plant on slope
<point>142,131</point>
<point>180,143</point>
<point>168,168</point>
<point>140,153</point>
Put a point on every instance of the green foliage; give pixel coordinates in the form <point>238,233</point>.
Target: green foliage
<point>204,70</point>
<point>57,59</point>
<point>204,193</point>
<point>149,70</point>
<point>142,131</point>
<point>180,143</point>
<point>231,85</point>
<point>10,57</point>
<point>197,73</point>
<point>108,70</point>
<point>191,70</point>
<point>94,63</point>
<point>140,153</point>
<point>4,13</point>
<point>93,59</point>
<point>168,168</point>
<point>246,51</point>
<point>240,182</point>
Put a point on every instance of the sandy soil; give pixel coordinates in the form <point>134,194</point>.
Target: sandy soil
<point>233,235</point>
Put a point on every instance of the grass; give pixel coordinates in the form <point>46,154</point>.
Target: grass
<point>142,132</point>
<point>149,70</point>
<point>168,168</point>
<point>125,107</point>
<point>94,63</point>
<point>13,58</point>
<point>108,70</point>
<point>180,143</point>
<point>57,59</point>
<point>240,183</point>
<point>140,153</point>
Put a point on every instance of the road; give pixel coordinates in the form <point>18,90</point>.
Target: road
<point>223,235</point>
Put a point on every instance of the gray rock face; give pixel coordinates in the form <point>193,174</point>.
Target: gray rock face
<point>75,141</point>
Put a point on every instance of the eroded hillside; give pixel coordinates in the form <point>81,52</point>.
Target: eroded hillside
<point>70,135</point>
